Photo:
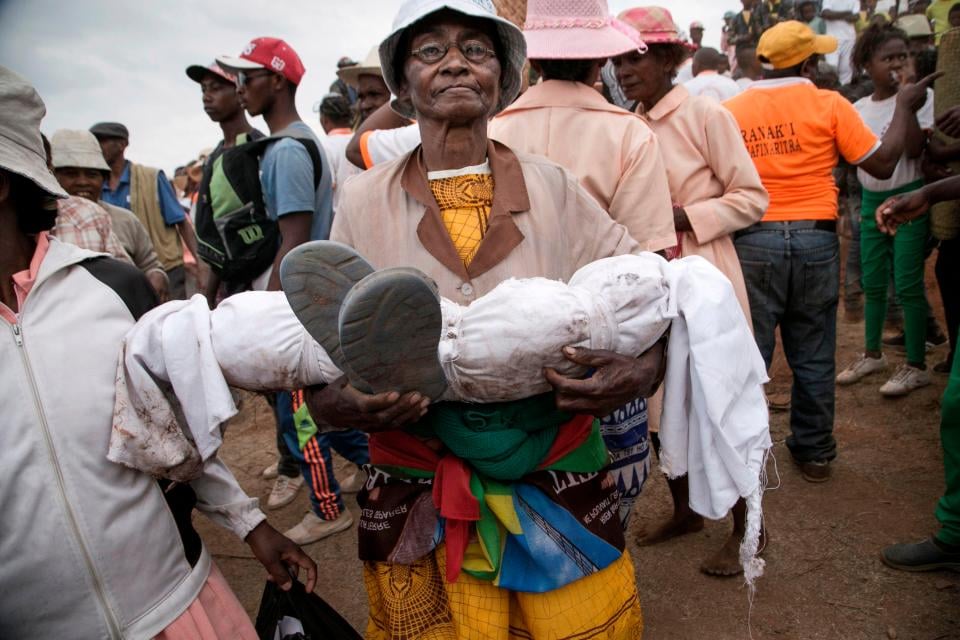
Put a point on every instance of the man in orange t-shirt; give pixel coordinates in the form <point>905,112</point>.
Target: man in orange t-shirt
<point>795,134</point>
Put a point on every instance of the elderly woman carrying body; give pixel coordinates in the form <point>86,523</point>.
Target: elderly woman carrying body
<point>470,213</point>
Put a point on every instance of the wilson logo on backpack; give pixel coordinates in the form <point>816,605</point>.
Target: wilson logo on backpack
<point>251,234</point>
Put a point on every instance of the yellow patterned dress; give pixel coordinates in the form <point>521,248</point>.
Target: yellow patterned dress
<point>465,200</point>
<point>415,602</point>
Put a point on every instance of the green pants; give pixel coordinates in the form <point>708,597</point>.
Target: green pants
<point>905,252</point>
<point>948,509</point>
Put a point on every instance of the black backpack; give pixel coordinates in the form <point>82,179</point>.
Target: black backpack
<point>240,240</point>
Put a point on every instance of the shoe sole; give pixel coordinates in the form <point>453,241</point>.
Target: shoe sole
<point>353,487</point>
<point>326,534</point>
<point>390,326</point>
<point>844,383</point>
<point>281,505</point>
<point>905,392</point>
<point>270,473</point>
<point>815,479</point>
<point>316,277</point>
<point>917,568</point>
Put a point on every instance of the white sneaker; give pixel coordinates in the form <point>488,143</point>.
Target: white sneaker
<point>860,369</point>
<point>271,472</point>
<point>284,491</point>
<point>313,528</point>
<point>354,482</point>
<point>904,380</point>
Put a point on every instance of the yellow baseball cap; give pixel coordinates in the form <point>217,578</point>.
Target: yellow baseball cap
<point>789,43</point>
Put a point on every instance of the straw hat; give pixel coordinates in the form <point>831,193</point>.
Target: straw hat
<point>576,30</point>
<point>369,67</point>
<point>76,148</point>
<point>21,148</point>
<point>514,52</point>
<point>513,10</point>
<point>915,26</point>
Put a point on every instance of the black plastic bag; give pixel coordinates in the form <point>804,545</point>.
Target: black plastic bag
<point>304,616</point>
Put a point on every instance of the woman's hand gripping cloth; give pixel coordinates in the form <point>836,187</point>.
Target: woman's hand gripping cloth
<point>714,428</point>
<point>176,367</point>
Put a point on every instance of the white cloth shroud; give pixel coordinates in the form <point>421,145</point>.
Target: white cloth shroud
<point>177,365</point>
<point>714,427</point>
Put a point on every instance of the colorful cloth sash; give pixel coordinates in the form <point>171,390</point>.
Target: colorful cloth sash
<point>489,448</point>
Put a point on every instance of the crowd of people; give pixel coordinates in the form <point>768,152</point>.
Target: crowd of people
<point>389,285</point>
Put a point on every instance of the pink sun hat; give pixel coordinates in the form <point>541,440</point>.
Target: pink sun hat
<point>576,30</point>
<point>654,24</point>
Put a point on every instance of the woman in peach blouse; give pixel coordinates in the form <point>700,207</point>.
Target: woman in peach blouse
<point>716,191</point>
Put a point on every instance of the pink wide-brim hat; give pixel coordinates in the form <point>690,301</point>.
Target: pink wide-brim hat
<point>576,30</point>
<point>654,24</point>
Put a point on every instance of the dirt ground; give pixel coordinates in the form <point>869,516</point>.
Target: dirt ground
<point>824,578</point>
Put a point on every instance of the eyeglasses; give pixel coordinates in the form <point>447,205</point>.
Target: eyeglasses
<point>472,50</point>
<point>244,76</point>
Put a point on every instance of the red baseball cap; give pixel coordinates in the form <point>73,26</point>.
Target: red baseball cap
<point>266,53</point>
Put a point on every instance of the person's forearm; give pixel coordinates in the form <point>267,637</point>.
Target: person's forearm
<point>220,498</point>
<point>185,229</point>
<point>382,118</point>
<point>915,138</point>
<point>939,151</point>
<point>680,220</point>
<point>294,231</point>
<point>213,286</point>
<point>273,284</point>
<point>828,14</point>
<point>884,160</point>
<point>942,190</point>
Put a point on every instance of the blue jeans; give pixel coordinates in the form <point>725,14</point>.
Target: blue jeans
<point>793,280</point>
<point>316,463</point>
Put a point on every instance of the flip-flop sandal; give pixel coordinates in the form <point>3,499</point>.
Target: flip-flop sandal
<point>390,326</point>
<point>316,277</point>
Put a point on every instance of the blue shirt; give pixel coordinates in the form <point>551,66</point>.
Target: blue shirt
<point>286,177</point>
<point>172,211</point>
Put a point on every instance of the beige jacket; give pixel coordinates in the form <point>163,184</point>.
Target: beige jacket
<point>711,176</point>
<point>134,238</point>
<point>542,223</point>
<point>611,151</point>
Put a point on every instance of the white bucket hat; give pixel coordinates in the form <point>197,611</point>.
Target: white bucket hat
<point>514,52</point>
<point>76,148</point>
<point>21,148</point>
<point>369,67</point>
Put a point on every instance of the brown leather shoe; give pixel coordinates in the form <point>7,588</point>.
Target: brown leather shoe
<point>815,470</point>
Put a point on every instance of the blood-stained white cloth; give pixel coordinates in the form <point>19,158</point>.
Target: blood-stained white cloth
<point>176,368</point>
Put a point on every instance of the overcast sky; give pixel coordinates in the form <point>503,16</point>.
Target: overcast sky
<point>124,60</point>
